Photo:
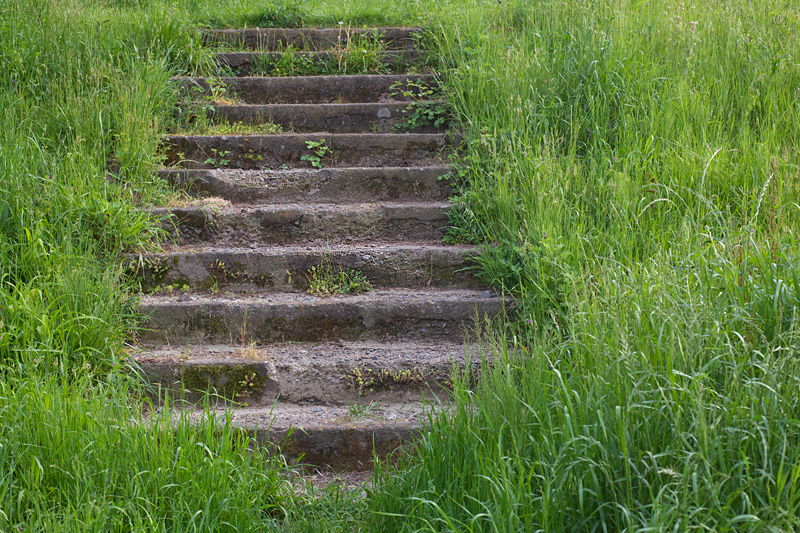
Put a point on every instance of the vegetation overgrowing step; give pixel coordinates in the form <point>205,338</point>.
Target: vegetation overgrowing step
<point>307,150</point>
<point>307,89</point>
<point>333,373</point>
<point>274,63</point>
<point>383,315</point>
<point>288,269</point>
<point>328,185</point>
<point>330,436</point>
<point>389,117</point>
<point>322,224</point>
<point>310,38</point>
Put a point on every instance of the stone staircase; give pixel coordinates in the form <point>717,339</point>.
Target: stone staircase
<point>334,379</point>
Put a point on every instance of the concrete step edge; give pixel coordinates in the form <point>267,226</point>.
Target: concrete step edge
<point>329,373</point>
<point>288,268</point>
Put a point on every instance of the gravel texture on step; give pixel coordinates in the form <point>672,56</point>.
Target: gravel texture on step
<point>308,89</point>
<point>309,38</point>
<point>287,269</point>
<point>383,315</point>
<point>389,117</point>
<point>322,224</point>
<point>328,185</point>
<point>331,373</point>
<point>287,150</point>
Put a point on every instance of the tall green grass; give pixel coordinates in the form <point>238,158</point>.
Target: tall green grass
<point>83,98</point>
<point>80,457</point>
<point>632,168</point>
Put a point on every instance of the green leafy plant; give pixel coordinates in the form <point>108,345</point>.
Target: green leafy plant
<point>367,379</point>
<point>327,280</point>
<point>358,411</point>
<point>425,108</point>
<point>219,158</point>
<point>319,150</point>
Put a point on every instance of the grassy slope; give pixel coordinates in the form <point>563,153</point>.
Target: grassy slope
<point>84,91</point>
<point>634,166</point>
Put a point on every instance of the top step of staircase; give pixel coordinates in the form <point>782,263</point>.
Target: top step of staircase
<point>311,38</point>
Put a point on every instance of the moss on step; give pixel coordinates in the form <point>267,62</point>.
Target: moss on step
<point>229,381</point>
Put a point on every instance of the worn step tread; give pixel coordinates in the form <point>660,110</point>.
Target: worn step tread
<point>286,268</point>
<point>393,295</point>
<point>308,38</point>
<point>272,151</point>
<point>327,185</point>
<point>350,88</point>
<point>279,224</point>
<point>325,436</point>
<point>377,117</point>
<point>334,373</point>
<point>382,314</point>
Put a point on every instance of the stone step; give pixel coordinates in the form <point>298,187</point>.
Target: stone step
<point>263,63</point>
<point>287,269</point>
<point>328,185</point>
<point>321,224</point>
<point>380,315</point>
<point>310,38</point>
<point>390,117</point>
<point>329,437</point>
<point>327,373</point>
<point>253,152</point>
<point>306,89</point>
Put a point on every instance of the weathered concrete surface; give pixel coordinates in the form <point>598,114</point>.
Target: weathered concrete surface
<point>327,437</point>
<point>383,315</point>
<point>286,269</point>
<point>327,185</point>
<point>245,63</point>
<point>334,118</point>
<point>308,89</point>
<point>309,38</point>
<point>323,224</point>
<point>288,355</point>
<point>327,373</point>
<point>273,151</point>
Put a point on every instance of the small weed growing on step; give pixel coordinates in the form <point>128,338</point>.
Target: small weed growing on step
<point>360,54</point>
<point>217,93</point>
<point>358,411</point>
<point>424,110</point>
<point>367,379</point>
<point>328,280</point>
<point>247,385</point>
<point>230,128</point>
<point>319,150</point>
<point>194,107</point>
<point>169,289</point>
<point>220,158</point>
